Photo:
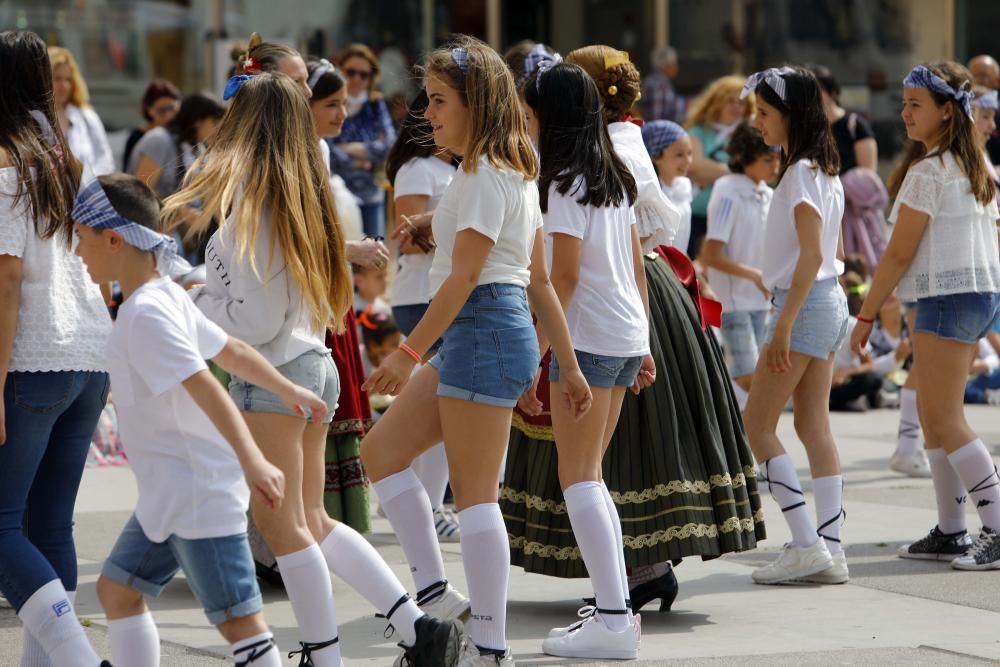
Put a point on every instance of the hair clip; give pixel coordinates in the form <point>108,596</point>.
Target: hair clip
<point>251,64</point>
<point>612,90</point>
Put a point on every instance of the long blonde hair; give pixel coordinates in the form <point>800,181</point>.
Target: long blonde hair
<point>497,128</point>
<point>80,95</point>
<point>705,109</point>
<point>265,154</point>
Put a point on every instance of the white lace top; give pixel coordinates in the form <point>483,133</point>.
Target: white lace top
<point>958,252</point>
<point>62,322</point>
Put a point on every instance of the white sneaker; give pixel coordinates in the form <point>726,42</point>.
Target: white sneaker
<point>444,602</point>
<point>446,525</point>
<point>795,563</point>
<point>835,574</point>
<point>594,639</point>
<point>470,657</point>
<point>915,465</point>
<point>584,612</point>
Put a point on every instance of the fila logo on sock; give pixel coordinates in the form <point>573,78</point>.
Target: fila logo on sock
<point>61,608</point>
<point>960,501</point>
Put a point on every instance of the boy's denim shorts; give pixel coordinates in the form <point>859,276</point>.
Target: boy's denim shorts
<point>601,370</point>
<point>313,370</point>
<point>965,317</point>
<point>821,325</point>
<point>743,333</point>
<point>490,351</point>
<point>219,570</point>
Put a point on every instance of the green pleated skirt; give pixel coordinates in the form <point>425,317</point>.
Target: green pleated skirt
<point>678,467</point>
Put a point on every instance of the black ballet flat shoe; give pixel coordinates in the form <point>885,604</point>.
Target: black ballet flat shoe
<point>663,588</point>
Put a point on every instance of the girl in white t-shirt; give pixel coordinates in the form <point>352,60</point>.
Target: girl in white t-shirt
<point>734,247</point>
<point>586,194</point>
<point>489,262</point>
<point>669,147</point>
<point>944,255</point>
<point>420,172</point>
<point>808,323</point>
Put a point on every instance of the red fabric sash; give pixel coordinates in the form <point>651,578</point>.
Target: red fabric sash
<point>354,413</point>
<point>709,310</point>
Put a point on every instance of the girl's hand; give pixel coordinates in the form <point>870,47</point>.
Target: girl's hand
<point>779,357</point>
<point>266,482</point>
<point>758,281</point>
<point>859,337</point>
<point>646,375</point>
<point>368,253</point>
<point>390,377</point>
<point>305,403</point>
<point>529,403</point>
<point>575,392</point>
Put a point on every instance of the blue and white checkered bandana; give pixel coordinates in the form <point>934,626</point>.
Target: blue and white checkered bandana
<point>921,77</point>
<point>93,209</point>
<point>461,57</point>
<point>988,100</point>
<point>659,135</point>
<point>773,77</point>
<point>539,59</point>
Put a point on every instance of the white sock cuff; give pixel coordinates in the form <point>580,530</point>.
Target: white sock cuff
<point>976,448</point>
<point>297,559</point>
<point>250,641</point>
<point>828,483</point>
<point>396,485</point>
<point>936,454</point>
<point>131,622</point>
<point>482,518</point>
<point>584,494</point>
<point>50,598</point>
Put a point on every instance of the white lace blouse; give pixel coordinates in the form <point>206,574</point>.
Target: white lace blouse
<point>62,322</point>
<point>958,252</point>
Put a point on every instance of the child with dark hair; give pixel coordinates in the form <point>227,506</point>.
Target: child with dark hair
<point>808,324</point>
<point>734,248</point>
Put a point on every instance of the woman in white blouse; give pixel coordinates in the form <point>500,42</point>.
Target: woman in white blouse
<point>79,122</point>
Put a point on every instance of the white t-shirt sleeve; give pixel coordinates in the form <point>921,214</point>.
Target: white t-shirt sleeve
<point>161,352</point>
<point>722,209</point>
<point>483,204</point>
<point>413,178</point>
<point>803,189</point>
<point>921,189</point>
<point>565,215</point>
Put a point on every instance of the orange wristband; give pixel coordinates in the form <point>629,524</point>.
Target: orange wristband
<point>410,352</point>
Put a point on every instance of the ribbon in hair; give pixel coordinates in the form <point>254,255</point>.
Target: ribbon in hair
<point>93,209</point>
<point>921,77</point>
<point>543,67</point>
<point>536,57</point>
<point>988,100</point>
<point>234,84</point>
<point>614,57</point>
<point>659,135</point>
<point>371,319</point>
<point>461,57</point>
<point>773,77</point>
<point>324,67</point>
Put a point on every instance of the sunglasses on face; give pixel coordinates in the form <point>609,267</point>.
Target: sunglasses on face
<point>362,74</point>
<point>164,108</point>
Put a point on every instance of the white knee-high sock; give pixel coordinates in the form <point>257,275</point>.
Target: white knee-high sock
<point>257,651</point>
<point>950,493</point>
<point>48,615</point>
<point>353,559</point>
<point>432,469</point>
<point>32,653</point>
<point>908,439</point>
<point>782,480</point>
<point>616,525</point>
<point>135,641</point>
<point>486,560</point>
<point>829,493</point>
<point>974,465</point>
<point>601,550</point>
<point>409,511</point>
<point>307,582</point>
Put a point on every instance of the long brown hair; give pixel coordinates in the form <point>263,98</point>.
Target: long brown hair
<point>497,128</point>
<point>617,79</point>
<point>48,175</point>
<point>265,154</point>
<point>958,135</point>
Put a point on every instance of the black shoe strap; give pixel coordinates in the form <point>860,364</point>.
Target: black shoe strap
<point>819,531</point>
<point>390,628</point>
<point>308,648</point>
<point>432,592</point>
<point>767,478</point>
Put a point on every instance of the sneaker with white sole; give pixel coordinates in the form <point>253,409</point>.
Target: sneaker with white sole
<point>470,656</point>
<point>937,546</point>
<point>438,643</point>
<point>584,612</point>
<point>594,639</point>
<point>914,465</point>
<point>442,601</point>
<point>795,563</point>
<point>835,574</point>
<point>446,525</point>
<point>983,555</point>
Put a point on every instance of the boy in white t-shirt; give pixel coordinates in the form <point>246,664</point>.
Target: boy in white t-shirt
<point>192,453</point>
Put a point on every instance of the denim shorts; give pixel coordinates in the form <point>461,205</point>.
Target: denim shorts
<point>407,317</point>
<point>965,317</point>
<point>219,570</point>
<point>602,371</point>
<point>313,370</point>
<point>490,351</point>
<point>743,333</point>
<point>821,325</point>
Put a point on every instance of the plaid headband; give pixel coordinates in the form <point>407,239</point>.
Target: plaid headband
<point>539,60</point>
<point>659,135</point>
<point>461,57</point>
<point>988,100</point>
<point>773,77</point>
<point>324,67</point>
<point>93,209</point>
<point>921,77</point>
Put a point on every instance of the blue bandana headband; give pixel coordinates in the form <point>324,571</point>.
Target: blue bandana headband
<point>539,60</point>
<point>234,84</point>
<point>324,67</point>
<point>659,135</point>
<point>773,77</point>
<point>921,77</point>
<point>461,57</point>
<point>988,100</point>
<point>93,209</point>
